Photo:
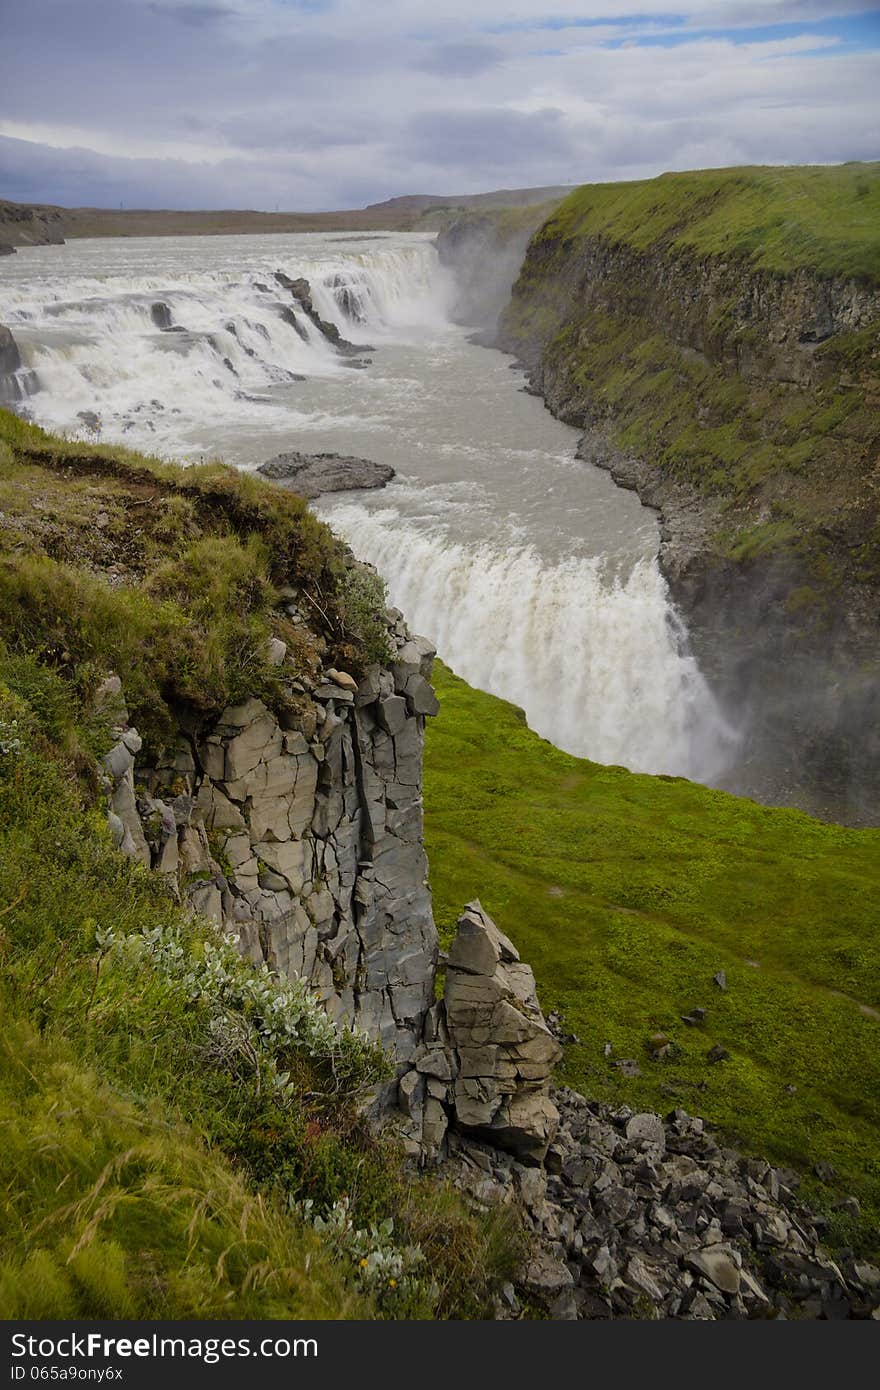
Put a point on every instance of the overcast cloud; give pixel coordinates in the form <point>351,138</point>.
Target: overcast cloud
<point>306,104</point>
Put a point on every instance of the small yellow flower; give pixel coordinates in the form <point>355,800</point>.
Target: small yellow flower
<point>393,1283</point>
<point>364,1262</point>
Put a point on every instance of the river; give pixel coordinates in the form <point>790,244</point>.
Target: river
<point>534,574</point>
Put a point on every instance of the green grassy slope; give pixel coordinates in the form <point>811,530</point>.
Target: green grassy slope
<point>168,576</point>
<point>627,894</point>
<point>164,1109</point>
<point>819,218</point>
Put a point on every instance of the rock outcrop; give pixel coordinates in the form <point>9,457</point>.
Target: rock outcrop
<point>313,474</point>
<point>487,1055</point>
<point>161,315</point>
<point>303,838</point>
<point>31,224</point>
<point>16,381</point>
<point>10,363</point>
<point>301,292</point>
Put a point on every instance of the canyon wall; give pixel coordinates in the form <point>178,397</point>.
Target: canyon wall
<point>740,402</point>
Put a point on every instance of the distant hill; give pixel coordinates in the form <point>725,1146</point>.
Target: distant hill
<point>501,198</point>
<point>32,224</point>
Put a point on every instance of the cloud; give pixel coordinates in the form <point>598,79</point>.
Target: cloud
<point>316,103</point>
<point>461,59</point>
<point>198,16</point>
<point>488,138</point>
<point>287,130</point>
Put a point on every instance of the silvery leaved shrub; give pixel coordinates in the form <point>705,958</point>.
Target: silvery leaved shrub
<point>271,1014</point>
<point>10,743</point>
<point>392,1273</point>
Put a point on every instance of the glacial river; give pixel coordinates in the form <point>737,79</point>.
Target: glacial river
<point>535,575</point>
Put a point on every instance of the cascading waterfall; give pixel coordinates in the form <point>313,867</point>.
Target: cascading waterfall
<point>597,660</point>
<point>534,575</point>
<point>149,351</point>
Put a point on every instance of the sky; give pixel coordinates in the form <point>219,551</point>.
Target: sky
<point>314,104</point>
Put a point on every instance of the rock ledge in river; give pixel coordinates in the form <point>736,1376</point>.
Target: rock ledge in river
<point>312,474</point>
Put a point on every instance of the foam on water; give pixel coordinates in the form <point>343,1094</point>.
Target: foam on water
<point>238,336</point>
<point>598,661</point>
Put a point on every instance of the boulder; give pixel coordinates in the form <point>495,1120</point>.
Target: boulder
<point>11,386</point>
<point>545,1276</point>
<point>311,475</point>
<point>10,358</point>
<point>716,1264</point>
<point>647,1129</point>
<point>342,679</point>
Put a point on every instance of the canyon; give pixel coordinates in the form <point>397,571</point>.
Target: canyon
<point>240,724</point>
<point>739,400</point>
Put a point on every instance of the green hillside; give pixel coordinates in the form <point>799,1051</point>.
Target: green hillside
<point>690,320</point>
<point>165,1109</point>
<point>628,894</point>
<point>820,218</point>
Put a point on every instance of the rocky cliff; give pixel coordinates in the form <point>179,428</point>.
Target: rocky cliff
<point>735,388</point>
<point>303,837</point>
<point>29,224</point>
<point>304,844</point>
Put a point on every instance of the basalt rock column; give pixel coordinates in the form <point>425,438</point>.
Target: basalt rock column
<point>485,1064</point>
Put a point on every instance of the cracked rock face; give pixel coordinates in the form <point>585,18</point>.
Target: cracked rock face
<point>487,1054</point>
<point>305,841</point>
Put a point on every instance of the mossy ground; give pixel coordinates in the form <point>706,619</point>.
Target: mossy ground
<point>169,576</point>
<point>627,894</point>
<point>780,219</point>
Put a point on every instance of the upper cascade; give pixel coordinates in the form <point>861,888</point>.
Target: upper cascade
<point>150,352</point>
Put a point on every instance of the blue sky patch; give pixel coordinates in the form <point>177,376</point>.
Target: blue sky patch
<point>857,31</point>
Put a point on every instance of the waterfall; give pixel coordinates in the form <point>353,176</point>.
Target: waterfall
<point>598,661</point>
<point>148,349</point>
<point>534,575</point>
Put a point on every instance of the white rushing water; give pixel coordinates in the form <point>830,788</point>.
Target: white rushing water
<point>534,574</point>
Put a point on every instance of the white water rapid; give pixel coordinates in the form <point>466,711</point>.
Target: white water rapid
<point>534,574</point>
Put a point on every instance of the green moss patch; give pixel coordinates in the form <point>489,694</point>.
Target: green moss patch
<point>818,218</point>
<point>628,894</point>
